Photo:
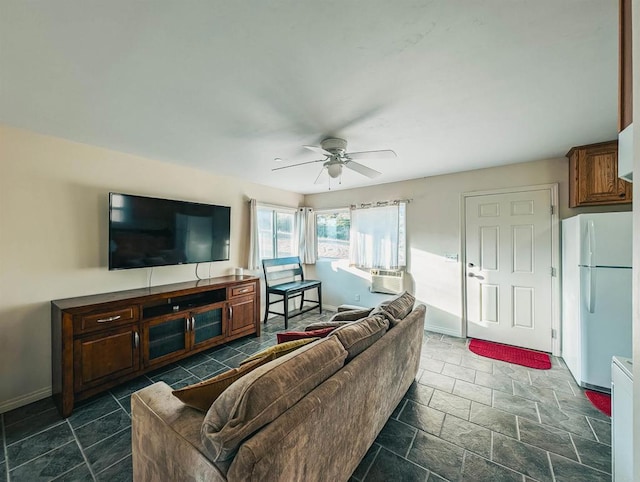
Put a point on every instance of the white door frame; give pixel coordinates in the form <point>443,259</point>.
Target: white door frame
<point>555,254</point>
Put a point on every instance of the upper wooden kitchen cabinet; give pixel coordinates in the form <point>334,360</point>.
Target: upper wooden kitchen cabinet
<point>593,176</point>
<point>625,73</point>
<point>625,93</point>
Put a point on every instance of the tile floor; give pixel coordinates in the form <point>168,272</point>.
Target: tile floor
<point>466,418</point>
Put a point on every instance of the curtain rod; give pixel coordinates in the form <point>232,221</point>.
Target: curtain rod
<point>275,206</point>
<point>379,204</point>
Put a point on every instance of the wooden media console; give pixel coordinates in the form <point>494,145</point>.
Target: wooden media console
<point>99,341</point>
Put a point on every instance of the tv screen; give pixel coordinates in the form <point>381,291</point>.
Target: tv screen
<point>145,231</point>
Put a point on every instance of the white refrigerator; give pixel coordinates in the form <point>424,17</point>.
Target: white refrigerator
<point>596,295</point>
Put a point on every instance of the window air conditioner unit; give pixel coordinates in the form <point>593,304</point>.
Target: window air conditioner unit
<point>387,281</point>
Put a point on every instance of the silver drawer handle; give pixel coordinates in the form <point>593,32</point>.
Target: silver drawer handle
<point>136,339</point>
<point>244,290</point>
<point>111,318</point>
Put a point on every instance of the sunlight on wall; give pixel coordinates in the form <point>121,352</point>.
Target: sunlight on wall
<point>342,283</point>
<point>437,281</point>
<point>343,265</point>
<point>433,279</point>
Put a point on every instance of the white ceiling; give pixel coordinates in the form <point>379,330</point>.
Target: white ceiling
<point>228,86</point>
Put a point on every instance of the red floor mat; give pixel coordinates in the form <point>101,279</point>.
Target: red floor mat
<point>511,354</point>
<point>601,401</point>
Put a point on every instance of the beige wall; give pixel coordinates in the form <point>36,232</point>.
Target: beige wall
<point>53,238</point>
<point>433,230</point>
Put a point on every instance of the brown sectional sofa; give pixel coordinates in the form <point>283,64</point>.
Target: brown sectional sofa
<point>323,436</point>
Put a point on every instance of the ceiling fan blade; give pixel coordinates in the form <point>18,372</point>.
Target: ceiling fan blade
<point>364,170</point>
<point>318,150</point>
<point>320,179</point>
<point>385,154</point>
<point>294,165</point>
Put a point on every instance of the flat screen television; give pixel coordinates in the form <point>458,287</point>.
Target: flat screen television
<point>146,231</point>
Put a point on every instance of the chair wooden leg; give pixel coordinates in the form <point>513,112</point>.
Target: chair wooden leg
<point>286,311</point>
<point>266,309</point>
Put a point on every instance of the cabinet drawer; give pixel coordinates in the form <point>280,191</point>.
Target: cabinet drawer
<point>105,319</point>
<point>243,290</point>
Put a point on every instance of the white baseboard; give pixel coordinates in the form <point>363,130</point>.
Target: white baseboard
<point>442,330</point>
<point>25,399</point>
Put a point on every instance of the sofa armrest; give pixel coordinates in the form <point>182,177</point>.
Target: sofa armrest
<point>165,438</point>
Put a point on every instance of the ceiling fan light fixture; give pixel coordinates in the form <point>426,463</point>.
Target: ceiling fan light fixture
<point>334,170</point>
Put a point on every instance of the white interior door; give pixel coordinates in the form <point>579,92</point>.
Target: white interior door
<point>508,273</point>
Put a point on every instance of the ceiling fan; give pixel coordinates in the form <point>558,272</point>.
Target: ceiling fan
<point>336,158</point>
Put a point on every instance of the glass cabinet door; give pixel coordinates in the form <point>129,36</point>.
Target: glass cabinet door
<point>165,337</point>
<point>207,324</point>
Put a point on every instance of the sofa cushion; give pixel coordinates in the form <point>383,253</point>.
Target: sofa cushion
<point>351,315</point>
<point>360,335</point>
<point>319,325</point>
<point>340,319</point>
<point>346,307</point>
<point>264,394</point>
<point>202,395</point>
<point>396,308</point>
<point>298,335</point>
<point>280,350</point>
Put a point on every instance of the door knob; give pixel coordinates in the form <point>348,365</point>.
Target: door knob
<point>471,275</point>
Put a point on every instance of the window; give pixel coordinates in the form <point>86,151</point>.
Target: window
<point>276,232</point>
<point>378,236</point>
<point>333,233</point>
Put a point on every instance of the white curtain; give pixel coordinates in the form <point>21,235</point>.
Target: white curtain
<point>306,226</point>
<point>254,241</point>
<point>378,238</point>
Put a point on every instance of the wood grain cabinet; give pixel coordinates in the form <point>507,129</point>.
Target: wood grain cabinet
<point>593,176</point>
<point>625,67</point>
<point>242,305</point>
<point>241,315</point>
<point>99,341</point>
<point>102,357</point>
<point>625,93</point>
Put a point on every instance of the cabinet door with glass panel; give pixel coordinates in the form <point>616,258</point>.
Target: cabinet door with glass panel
<point>164,337</point>
<point>175,334</point>
<point>207,325</point>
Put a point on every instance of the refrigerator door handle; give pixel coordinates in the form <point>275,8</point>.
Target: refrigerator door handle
<point>591,293</point>
<point>591,239</point>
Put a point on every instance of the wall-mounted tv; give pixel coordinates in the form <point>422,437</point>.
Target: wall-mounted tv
<point>146,231</point>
